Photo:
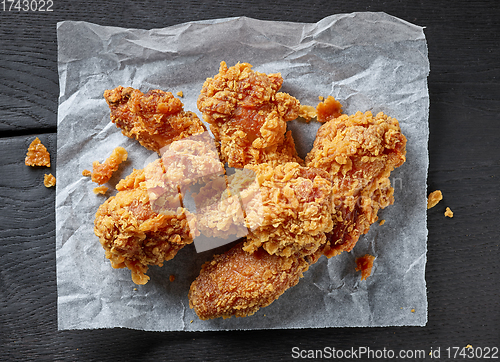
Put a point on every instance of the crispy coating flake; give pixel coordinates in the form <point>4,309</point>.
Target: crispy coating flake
<point>365,265</point>
<point>49,180</point>
<point>37,154</point>
<point>448,213</point>
<point>290,211</point>
<point>434,198</point>
<point>328,109</point>
<point>102,172</point>
<point>359,152</point>
<point>100,190</point>
<point>135,236</point>
<point>155,119</point>
<point>238,283</point>
<point>248,115</point>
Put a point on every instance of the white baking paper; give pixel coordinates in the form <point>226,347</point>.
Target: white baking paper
<point>367,61</point>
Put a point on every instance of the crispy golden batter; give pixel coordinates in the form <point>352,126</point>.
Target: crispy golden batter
<point>448,212</point>
<point>49,180</point>
<point>328,109</point>
<point>135,236</point>
<point>37,154</point>
<point>248,115</point>
<point>365,265</point>
<point>238,283</point>
<point>434,198</point>
<point>155,119</point>
<point>102,172</point>
<point>359,152</point>
<point>289,210</point>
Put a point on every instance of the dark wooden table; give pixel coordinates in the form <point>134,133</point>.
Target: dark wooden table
<point>463,252</point>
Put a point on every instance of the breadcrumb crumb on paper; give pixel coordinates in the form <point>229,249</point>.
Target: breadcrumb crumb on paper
<point>171,277</point>
<point>448,212</point>
<point>307,112</point>
<point>100,190</point>
<point>180,94</point>
<point>49,180</point>
<point>381,222</point>
<point>101,173</point>
<point>37,154</point>
<point>434,198</point>
<point>365,265</point>
<point>86,173</point>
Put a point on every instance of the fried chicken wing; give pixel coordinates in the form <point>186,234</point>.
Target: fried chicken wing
<point>359,152</point>
<point>135,236</point>
<point>248,115</point>
<point>155,119</point>
<point>238,283</point>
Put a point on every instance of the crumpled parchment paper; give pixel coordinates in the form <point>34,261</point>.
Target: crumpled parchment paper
<point>367,61</point>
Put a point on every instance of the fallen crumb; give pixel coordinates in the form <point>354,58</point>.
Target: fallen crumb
<point>307,112</point>
<point>448,212</point>
<point>135,289</point>
<point>101,173</point>
<point>100,190</point>
<point>180,94</point>
<point>321,98</point>
<point>328,109</point>
<point>469,346</point>
<point>171,277</point>
<point>382,222</point>
<point>413,310</point>
<point>434,198</point>
<point>49,180</point>
<point>365,264</point>
<point>86,173</point>
<point>191,321</point>
<point>37,154</point>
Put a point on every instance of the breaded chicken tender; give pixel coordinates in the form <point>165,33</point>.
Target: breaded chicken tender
<point>290,211</point>
<point>238,283</point>
<point>133,235</point>
<point>155,119</point>
<point>359,152</point>
<point>248,115</point>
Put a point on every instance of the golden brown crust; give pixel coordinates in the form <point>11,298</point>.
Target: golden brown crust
<point>290,211</point>
<point>448,213</point>
<point>49,180</point>
<point>155,119</point>
<point>102,172</point>
<point>328,109</point>
<point>238,283</point>
<point>37,154</point>
<point>434,198</point>
<point>359,152</point>
<point>248,115</point>
<point>365,265</point>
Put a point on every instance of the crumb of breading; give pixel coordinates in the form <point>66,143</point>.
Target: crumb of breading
<point>365,265</point>
<point>180,94</point>
<point>49,180</point>
<point>86,173</point>
<point>171,277</point>
<point>100,190</point>
<point>321,98</point>
<point>469,346</point>
<point>101,173</point>
<point>413,310</point>
<point>307,112</point>
<point>328,109</point>
<point>434,198</point>
<point>37,154</point>
<point>381,222</point>
<point>448,212</point>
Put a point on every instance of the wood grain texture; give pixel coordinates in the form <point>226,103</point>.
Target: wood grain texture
<point>462,270</point>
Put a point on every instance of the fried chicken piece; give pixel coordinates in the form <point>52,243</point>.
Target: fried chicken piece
<point>238,283</point>
<point>248,115</point>
<point>155,119</point>
<point>359,152</point>
<point>289,209</point>
<point>133,235</point>
<point>102,172</point>
<point>37,154</point>
<point>365,265</point>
